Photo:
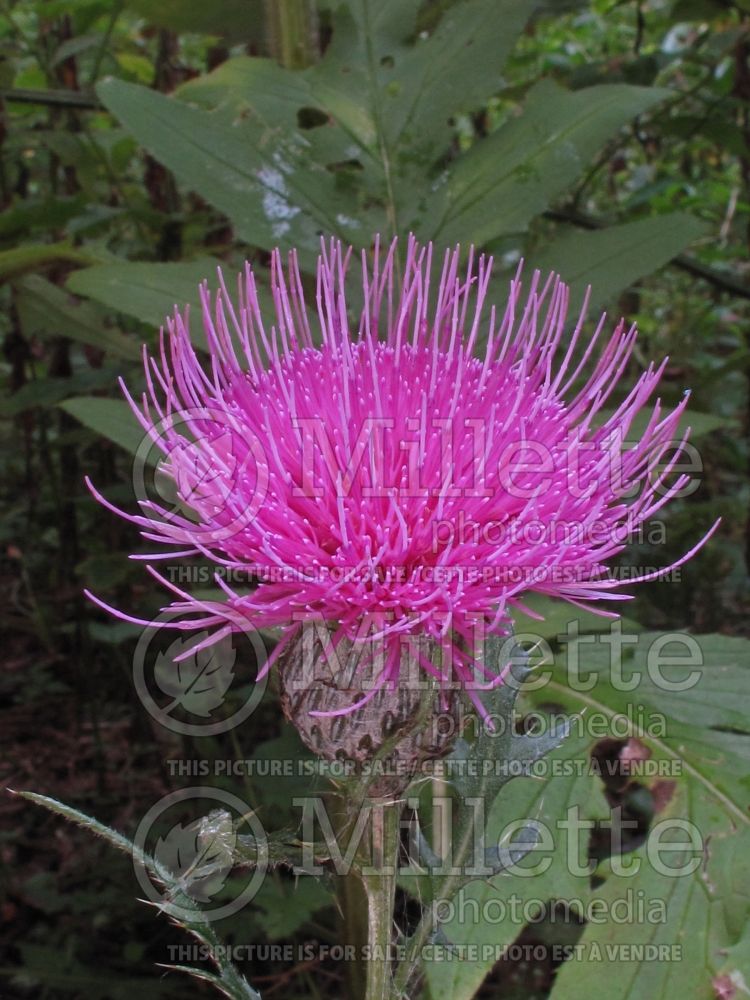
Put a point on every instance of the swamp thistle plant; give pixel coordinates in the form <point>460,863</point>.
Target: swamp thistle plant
<point>384,479</point>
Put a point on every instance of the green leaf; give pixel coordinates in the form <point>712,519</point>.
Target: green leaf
<point>47,311</point>
<point>558,616</point>
<point>50,391</point>
<point>503,181</point>
<point>716,700</point>
<point>612,259</point>
<point>699,776</point>
<point>506,745</point>
<point>44,213</point>
<point>278,795</point>
<point>147,291</point>
<point>390,100</point>
<point>46,970</point>
<point>481,773</point>
<point>258,87</point>
<point>505,897</point>
<point>699,423</point>
<point>73,47</point>
<point>398,95</point>
<point>693,748</point>
<point>470,44</point>
<point>111,418</point>
<point>266,183</point>
<point>692,940</point>
<point>280,100</point>
<point>284,907</point>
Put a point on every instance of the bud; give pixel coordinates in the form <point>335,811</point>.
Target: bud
<point>390,736</point>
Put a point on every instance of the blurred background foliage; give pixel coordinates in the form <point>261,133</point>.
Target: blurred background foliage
<point>144,141</point>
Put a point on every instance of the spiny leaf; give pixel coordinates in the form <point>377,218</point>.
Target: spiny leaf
<point>191,917</point>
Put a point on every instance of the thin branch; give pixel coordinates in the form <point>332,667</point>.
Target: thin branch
<point>53,98</point>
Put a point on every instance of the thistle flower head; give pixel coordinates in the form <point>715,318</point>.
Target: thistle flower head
<point>409,464</point>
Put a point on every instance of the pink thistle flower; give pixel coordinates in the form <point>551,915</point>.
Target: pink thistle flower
<point>389,470</point>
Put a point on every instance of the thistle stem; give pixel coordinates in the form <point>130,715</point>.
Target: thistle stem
<point>292,32</point>
<point>379,880</point>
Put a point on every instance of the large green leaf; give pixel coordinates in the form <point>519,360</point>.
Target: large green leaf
<point>47,391</point>
<point>485,773</point>
<point>389,98</point>
<point>262,178</point>
<point>348,146</point>
<point>682,955</point>
<point>147,291</point>
<point>151,291</point>
<point>261,86</point>
<point>683,706</point>
<point>612,259</point>
<point>505,897</point>
<point>281,100</point>
<point>693,697</point>
<point>502,182</point>
<point>397,100</point>
<point>558,618</point>
<point>398,95</point>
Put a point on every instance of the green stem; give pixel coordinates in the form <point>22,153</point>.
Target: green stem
<point>343,806</point>
<point>104,43</point>
<point>379,880</point>
<point>353,929</point>
<point>292,32</point>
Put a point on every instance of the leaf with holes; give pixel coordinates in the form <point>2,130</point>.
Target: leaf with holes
<point>286,155</point>
<point>681,706</point>
<point>677,708</point>
<point>262,178</point>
